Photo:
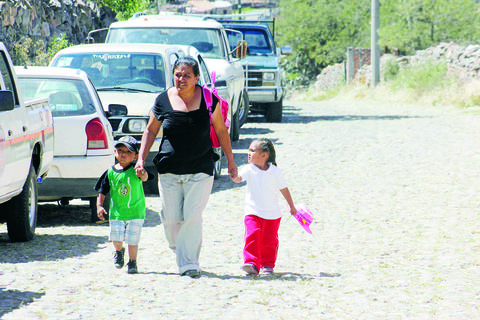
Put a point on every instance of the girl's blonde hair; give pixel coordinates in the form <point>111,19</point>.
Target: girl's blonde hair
<point>266,145</point>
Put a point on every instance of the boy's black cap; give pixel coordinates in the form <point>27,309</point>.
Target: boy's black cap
<point>129,142</point>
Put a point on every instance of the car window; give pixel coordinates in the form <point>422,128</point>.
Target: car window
<point>257,42</point>
<point>67,97</point>
<point>207,41</point>
<point>126,70</point>
<point>204,71</point>
<point>6,75</point>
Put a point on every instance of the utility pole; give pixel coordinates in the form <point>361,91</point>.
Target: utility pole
<point>374,47</point>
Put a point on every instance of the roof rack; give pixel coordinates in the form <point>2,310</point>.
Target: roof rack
<point>237,17</point>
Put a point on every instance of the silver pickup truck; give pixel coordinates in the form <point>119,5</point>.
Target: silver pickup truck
<point>26,152</point>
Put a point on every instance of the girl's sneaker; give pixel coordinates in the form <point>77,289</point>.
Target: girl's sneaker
<point>250,269</point>
<point>266,270</point>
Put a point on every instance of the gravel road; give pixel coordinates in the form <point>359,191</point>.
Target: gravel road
<point>394,190</point>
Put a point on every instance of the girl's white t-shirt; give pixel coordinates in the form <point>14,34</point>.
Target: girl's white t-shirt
<point>263,188</point>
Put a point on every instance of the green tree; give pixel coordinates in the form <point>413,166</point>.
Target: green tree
<point>125,8</point>
<point>320,33</point>
<point>411,25</point>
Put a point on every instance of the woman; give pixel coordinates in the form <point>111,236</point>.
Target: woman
<point>185,160</point>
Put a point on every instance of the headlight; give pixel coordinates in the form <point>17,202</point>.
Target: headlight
<point>137,125</point>
<point>268,76</point>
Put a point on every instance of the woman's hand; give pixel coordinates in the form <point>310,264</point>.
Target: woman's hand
<point>141,173</point>
<point>232,170</point>
<point>139,166</point>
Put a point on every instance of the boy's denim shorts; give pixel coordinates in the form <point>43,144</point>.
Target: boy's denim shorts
<point>126,231</point>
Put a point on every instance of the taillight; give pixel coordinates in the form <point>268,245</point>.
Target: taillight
<point>96,135</point>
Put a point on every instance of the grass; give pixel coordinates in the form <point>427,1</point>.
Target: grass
<point>428,84</point>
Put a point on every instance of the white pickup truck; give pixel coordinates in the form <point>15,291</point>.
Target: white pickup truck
<point>26,152</point>
<point>206,35</point>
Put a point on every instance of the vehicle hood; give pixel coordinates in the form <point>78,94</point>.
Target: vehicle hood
<point>261,62</point>
<point>220,67</point>
<point>137,103</point>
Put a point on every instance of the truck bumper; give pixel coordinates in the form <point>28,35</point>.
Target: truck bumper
<point>52,189</point>
<point>264,95</point>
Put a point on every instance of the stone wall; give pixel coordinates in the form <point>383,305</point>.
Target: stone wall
<point>48,19</point>
<point>463,61</point>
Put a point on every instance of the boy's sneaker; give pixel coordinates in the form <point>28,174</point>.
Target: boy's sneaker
<point>250,269</point>
<point>132,266</point>
<point>118,258</point>
<point>266,270</point>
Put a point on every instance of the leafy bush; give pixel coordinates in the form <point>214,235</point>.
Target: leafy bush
<point>58,44</point>
<point>34,53</point>
<point>125,9</point>
<point>28,52</point>
<point>422,77</point>
<point>390,69</point>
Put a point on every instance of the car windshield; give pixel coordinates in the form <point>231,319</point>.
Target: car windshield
<point>119,71</point>
<point>207,41</point>
<point>258,42</point>
<point>67,97</point>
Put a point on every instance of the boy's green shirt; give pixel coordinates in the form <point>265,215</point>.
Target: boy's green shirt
<point>127,196</point>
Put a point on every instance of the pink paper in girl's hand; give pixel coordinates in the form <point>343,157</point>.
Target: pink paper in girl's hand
<point>304,217</point>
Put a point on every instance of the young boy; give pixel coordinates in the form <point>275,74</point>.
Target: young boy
<point>127,205</point>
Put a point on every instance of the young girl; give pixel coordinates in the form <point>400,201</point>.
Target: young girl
<point>262,211</point>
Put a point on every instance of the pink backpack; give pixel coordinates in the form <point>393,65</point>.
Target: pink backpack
<point>207,93</point>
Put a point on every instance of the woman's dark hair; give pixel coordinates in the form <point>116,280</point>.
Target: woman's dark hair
<point>187,61</point>
<point>266,145</point>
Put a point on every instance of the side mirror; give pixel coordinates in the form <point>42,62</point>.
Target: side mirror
<point>117,110</point>
<point>286,50</point>
<point>7,101</point>
<point>241,49</point>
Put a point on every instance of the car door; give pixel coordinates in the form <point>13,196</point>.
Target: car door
<point>14,148</point>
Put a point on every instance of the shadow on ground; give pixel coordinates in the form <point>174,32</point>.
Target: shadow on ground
<point>50,247</point>
<point>14,299</point>
<point>53,215</point>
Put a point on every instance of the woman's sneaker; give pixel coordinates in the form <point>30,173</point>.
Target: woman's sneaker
<point>250,269</point>
<point>266,270</point>
<point>118,258</point>
<point>132,266</point>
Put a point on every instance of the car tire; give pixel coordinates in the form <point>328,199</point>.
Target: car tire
<point>234,128</point>
<point>243,109</point>
<point>23,210</point>
<point>217,169</point>
<point>274,112</point>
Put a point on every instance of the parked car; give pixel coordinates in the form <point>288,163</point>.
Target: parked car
<point>83,143</point>
<point>128,78</point>
<point>265,79</point>
<point>26,152</point>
